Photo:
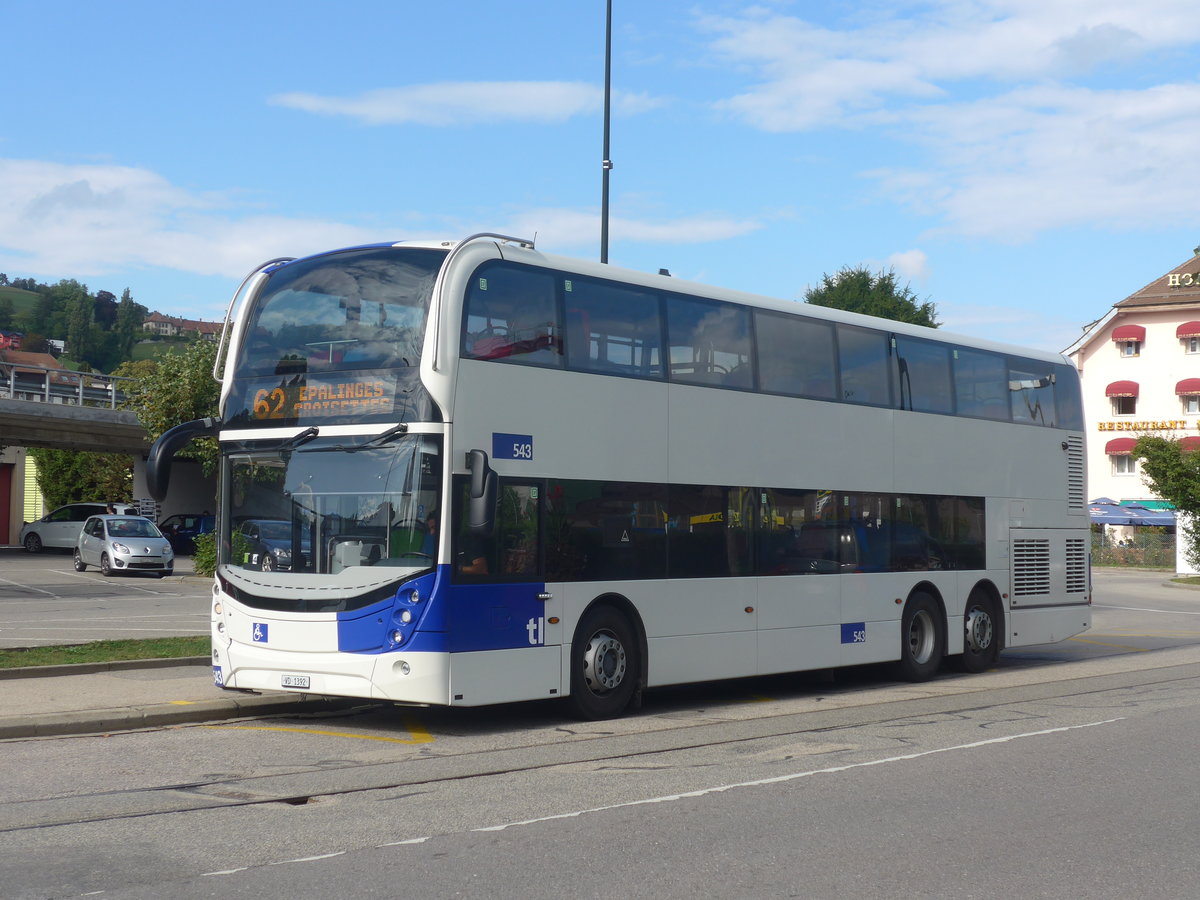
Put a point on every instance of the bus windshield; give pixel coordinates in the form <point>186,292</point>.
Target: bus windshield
<point>337,338</point>
<point>331,504</point>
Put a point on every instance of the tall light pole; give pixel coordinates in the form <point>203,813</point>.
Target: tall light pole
<point>606,165</point>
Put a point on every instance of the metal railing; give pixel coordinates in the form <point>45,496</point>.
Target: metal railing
<point>19,381</point>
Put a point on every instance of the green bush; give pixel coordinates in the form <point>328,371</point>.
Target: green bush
<point>204,558</point>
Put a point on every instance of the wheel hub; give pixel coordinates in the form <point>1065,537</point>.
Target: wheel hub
<point>604,663</point>
<point>979,631</point>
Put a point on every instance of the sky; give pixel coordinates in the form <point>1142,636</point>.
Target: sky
<point>1024,164</point>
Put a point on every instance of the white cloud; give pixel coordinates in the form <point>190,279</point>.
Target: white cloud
<point>910,264</point>
<point>1018,138</point>
<point>469,102</point>
<point>85,220</point>
<point>569,228</point>
<point>93,219</point>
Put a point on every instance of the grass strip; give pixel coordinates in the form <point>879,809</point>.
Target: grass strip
<point>106,651</point>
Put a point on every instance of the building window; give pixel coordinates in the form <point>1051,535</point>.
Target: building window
<point>1123,464</point>
<point>1124,406</point>
<point>1192,344</point>
<point>1131,348</point>
<point>1191,404</point>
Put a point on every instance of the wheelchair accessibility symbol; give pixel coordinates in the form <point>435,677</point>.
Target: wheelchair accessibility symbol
<point>259,635</point>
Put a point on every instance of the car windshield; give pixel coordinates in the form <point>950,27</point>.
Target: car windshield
<point>132,528</point>
<point>330,504</point>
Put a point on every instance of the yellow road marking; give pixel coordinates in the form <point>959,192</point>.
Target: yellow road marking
<point>419,734</point>
<point>1115,646</point>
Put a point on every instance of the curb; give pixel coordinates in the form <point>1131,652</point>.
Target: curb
<point>99,721</point>
<point>92,668</point>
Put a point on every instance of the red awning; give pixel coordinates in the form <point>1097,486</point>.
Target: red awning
<point>1187,330</point>
<point>1122,389</point>
<point>1190,444</point>
<point>1120,446</point>
<point>1188,386</point>
<point>1129,333</point>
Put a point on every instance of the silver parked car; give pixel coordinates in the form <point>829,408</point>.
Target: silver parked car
<point>60,528</point>
<point>123,544</point>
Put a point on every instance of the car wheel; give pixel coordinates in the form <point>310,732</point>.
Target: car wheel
<point>106,568</point>
<point>33,543</point>
<point>268,563</point>
<point>80,565</point>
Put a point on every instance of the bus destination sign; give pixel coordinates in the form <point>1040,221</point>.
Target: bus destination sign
<point>317,397</point>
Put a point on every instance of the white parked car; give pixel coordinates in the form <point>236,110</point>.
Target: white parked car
<point>61,527</point>
<point>123,544</point>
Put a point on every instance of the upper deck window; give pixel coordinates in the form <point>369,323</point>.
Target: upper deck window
<point>796,355</point>
<point>511,315</point>
<point>925,382</point>
<point>863,360</point>
<point>356,309</point>
<point>709,342</point>
<point>611,329</point>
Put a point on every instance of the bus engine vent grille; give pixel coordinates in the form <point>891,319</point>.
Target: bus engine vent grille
<point>1076,480</point>
<point>1077,564</point>
<point>1031,567</point>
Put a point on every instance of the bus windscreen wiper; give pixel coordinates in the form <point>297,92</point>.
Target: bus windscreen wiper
<point>291,443</point>
<point>374,443</point>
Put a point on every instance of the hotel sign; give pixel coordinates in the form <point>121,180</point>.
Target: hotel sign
<point>1183,279</point>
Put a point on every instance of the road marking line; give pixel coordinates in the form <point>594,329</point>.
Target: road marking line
<point>1165,612</point>
<point>779,779</point>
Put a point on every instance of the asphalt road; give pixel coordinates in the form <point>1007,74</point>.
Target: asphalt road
<point>1068,771</point>
<point>43,600</point>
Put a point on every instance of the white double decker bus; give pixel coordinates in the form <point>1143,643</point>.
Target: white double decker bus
<point>466,473</point>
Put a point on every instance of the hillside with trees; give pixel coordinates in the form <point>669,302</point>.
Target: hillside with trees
<point>100,331</point>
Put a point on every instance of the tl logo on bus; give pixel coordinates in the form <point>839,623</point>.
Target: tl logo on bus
<point>537,630</point>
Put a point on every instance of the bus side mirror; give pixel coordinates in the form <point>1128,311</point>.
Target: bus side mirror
<point>481,506</point>
<point>163,450</point>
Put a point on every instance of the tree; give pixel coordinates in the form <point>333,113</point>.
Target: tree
<point>8,313</point>
<point>856,289</point>
<point>70,476</point>
<point>130,316</point>
<point>178,389</point>
<point>1174,474</point>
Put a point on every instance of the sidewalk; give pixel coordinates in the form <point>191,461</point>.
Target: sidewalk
<point>102,697</point>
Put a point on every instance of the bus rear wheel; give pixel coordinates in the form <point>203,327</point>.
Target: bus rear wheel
<point>981,640</point>
<point>922,638</point>
<point>604,664</point>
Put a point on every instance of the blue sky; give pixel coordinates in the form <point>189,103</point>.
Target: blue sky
<point>1024,164</point>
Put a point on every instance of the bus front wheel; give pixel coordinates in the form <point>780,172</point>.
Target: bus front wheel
<point>922,638</point>
<point>604,664</point>
<point>981,640</point>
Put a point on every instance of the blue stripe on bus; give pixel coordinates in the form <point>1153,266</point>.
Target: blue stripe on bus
<point>455,618</point>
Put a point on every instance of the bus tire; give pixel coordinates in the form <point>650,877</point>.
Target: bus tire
<point>981,638</point>
<point>922,638</point>
<point>604,664</point>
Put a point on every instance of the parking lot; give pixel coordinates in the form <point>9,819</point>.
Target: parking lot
<point>44,601</point>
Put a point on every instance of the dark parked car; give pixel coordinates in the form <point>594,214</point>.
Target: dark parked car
<point>182,529</point>
<point>268,545</point>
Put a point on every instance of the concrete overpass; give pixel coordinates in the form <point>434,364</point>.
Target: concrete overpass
<point>28,423</point>
<point>65,410</point>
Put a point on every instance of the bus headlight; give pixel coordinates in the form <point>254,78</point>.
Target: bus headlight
<point>405,617</point>
<point>397,637</point>
<point>413,596</point>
